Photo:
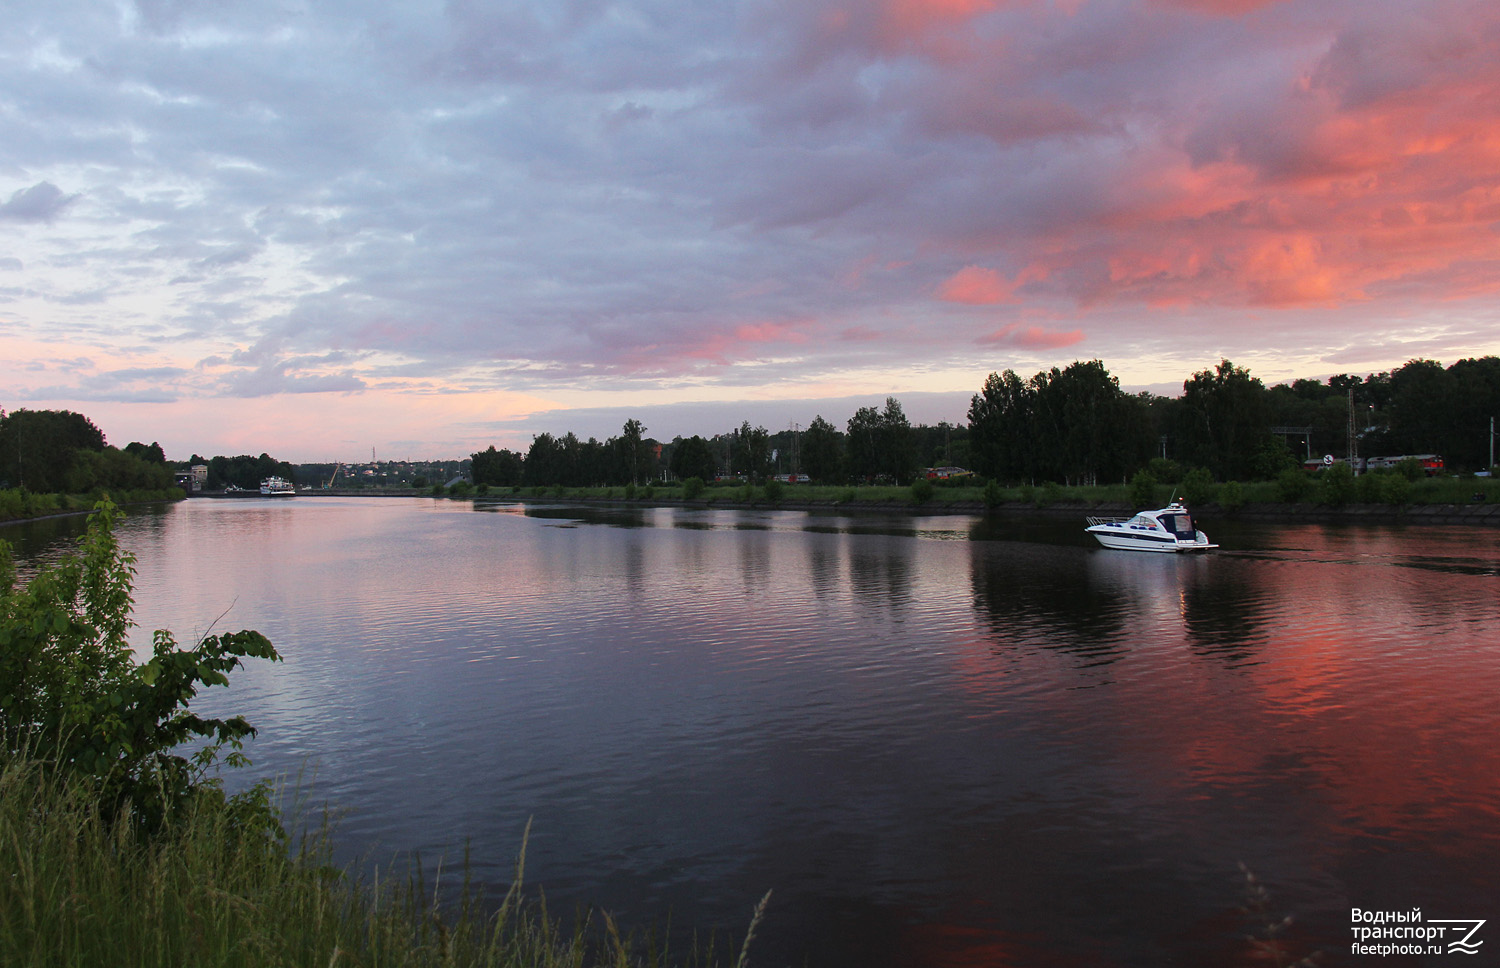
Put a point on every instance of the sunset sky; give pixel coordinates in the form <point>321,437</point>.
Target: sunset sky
<point>314,228</point>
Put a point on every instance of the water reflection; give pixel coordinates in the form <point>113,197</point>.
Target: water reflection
<point>1056,598</point>
<point>941,741</point>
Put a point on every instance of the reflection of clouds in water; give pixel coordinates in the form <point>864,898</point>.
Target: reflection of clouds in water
<point>993,733</point>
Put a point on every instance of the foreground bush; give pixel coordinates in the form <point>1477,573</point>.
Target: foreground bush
<point>72,694</point>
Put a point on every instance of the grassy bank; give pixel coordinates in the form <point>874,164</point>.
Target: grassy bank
<point>84,888</point>
<point>1387,490</point>
<point>17,504</point>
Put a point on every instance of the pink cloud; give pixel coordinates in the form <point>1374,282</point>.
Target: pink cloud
<point>706,348</point>
<point>1030,337</point>
<point>975,286</point>
<point>978,286</point>
<point>1361,160</point>
<point>769,333</point>
<point>1224,8</point>
<point>902,19</point>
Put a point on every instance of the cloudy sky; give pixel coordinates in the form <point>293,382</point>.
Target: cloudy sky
<point>314,227</point>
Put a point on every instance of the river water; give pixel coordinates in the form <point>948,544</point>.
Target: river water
<point>937,740</point>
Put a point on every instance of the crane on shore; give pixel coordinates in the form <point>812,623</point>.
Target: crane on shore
<point>336,468</point>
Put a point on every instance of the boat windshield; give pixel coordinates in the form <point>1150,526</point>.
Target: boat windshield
<point>1180,525</point>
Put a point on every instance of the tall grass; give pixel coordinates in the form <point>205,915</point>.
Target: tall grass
<point>80,887</point>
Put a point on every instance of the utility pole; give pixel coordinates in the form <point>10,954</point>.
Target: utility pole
<point>1352,448</point>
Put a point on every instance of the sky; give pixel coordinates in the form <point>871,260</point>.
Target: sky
<point>318,229</point>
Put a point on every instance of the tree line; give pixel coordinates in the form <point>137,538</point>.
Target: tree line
<point>1070,425</point>
<point>1075,425</point>
<point>62,452</point>
<point>242,471</point>
<point>877,444</point>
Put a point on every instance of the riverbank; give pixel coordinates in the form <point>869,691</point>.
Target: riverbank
<point>17,505</point>
<point>1464,501</point>
<point>1426,506</point>
<point>1481,513</point>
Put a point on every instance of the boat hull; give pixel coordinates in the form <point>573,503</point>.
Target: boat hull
<point>1149,543</point>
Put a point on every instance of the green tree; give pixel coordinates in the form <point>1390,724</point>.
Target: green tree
<point>1096,431</point>
<point>862,444</point>
<point>896,453</point>
<point>497,468</point>
<point>151,453</point>
<point>72,694</point>
<point>1073,424</point>
<point>1225,420</point>
<point>37,447</point>
<point>751,451</point>
<point>632,448</point>
<point>1000,437</point>
<point>693,458</point>
<point>1421,407</point>
<point>1473,398</point>
<point>822,450</point>
<point>113,469</point>
<point>544,465</point>
<point>245,472</point>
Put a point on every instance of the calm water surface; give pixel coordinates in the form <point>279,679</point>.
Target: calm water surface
<point>939,741</point>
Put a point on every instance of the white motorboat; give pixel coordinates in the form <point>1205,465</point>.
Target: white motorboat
<point>1169,529</point>
<point>277,487</point>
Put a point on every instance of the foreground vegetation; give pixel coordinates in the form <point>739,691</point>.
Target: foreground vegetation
<point>85,887</point>
<point>119,846</point>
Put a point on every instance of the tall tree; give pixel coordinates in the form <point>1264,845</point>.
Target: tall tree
<point>631,447</point>
<point>1000,439</point>
<point>151,452</point>
<point>497,468</point>
<point>1102,433</point>
<point>543,465</point>
<point>896,447</point>
<point>751,451</point>
<point>37,447</point>
<point>244,471</point>
<point>821,450</point>
<point>693,458</point>
<point>862,444</point>
<point>1475,388</point>
<point>1226,421</point>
